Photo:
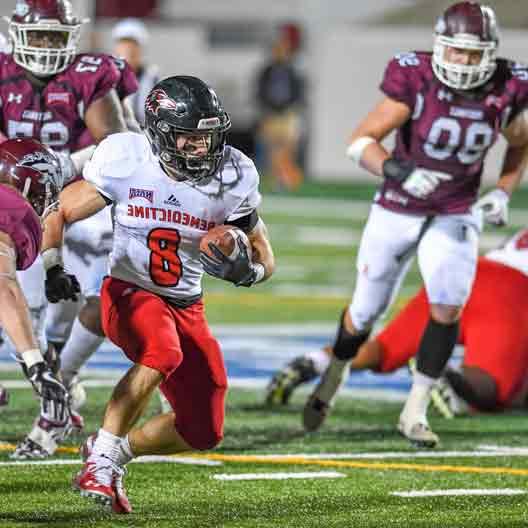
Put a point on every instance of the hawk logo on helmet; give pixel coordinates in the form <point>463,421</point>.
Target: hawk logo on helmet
<point>43,163</point>
<point>159,99</point>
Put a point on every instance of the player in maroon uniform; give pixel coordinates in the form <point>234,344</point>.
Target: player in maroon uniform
<point>52,94</point>
<point>30,181</point>
<point>448,108</point>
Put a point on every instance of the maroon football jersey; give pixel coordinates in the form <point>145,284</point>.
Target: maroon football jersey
<point>126,86</point>
<point>21,223</point>
<point>54,115</point>
<point>447,131</point>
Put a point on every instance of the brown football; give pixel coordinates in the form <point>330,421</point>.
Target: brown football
<point>223,236</point>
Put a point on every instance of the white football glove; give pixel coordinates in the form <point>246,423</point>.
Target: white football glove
<point>494,207</point>
<point>422,182</point>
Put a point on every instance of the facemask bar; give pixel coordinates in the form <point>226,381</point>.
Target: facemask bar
<point>459,76</point>
<point>180,164</point>
<point>43,61</point>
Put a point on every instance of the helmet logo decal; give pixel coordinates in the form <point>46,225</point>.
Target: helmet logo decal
<point>43,163</point>
<point>159,99</point>
<point>211,122</point>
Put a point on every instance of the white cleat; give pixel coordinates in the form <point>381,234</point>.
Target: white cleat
<point>418,433</point>
<point>321,400</point>
<point>77,394</point>
<point>446,401</point>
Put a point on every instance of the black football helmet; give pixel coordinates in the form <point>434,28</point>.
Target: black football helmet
<point>186,106</point>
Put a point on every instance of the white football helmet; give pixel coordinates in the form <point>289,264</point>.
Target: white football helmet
<point>58,29</point>
<point>467,26</point>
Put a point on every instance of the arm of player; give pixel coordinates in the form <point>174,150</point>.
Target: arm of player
<point>16,321</point>
<point>77,201</point>
<point>14,316</point>
<point>105,116</point>
<point>365,146</point>
<point>262,250</point>
<point>130,118</point>
<point>240,269</point>
<point>516,156</point>
<point>494,204</point>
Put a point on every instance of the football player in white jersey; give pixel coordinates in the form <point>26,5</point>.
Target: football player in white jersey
<point>167,191</point>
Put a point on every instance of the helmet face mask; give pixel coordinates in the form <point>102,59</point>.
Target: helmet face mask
<point>471,31</point>
<point>186,126</point>
<point>44,35</point>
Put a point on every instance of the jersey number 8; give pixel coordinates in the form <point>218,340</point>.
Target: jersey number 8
<point>165,267</point>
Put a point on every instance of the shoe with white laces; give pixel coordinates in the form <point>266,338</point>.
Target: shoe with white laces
<point>120,504</point>
<point>28,449</point>
<point>321,400</point>
<point>446,401</point>
<point>77,394</point>
<point>418,433</point>
<point>94,480</point>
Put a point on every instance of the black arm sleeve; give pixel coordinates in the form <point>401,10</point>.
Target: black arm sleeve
<point>106,199</point>
<point>246,223</point>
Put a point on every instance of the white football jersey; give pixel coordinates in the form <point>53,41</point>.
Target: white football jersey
<point>158,222</point>
<point>514,252</point>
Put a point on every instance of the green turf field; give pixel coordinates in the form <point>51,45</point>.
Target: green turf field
<point>315,237</point>
<point>178,495</point>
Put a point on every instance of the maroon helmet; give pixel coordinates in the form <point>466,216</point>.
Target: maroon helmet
<point>44,17</point>
<point>467,26</point>
<point>34,170</point>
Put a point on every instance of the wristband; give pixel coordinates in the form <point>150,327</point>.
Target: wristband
<point>260,271</point>
<point>32,357</point>
<point>51,257</point>
<point>355,150</point>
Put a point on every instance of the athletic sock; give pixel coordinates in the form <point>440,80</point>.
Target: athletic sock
<point>436,347</point>
<point>108,445</point>
<point>80,346</point>
<point>125,452</point>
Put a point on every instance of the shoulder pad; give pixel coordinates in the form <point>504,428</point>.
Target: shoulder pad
<point>119,154</point>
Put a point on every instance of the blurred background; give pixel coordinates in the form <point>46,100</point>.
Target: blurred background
<point>296,76</point>
<point>337,51</point>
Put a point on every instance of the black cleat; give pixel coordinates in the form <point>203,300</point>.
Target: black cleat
<point>285,381</point>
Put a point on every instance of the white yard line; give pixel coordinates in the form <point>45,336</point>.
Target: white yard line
<point>140,460</point>
<point>279,475</point>
<point>457,492</point>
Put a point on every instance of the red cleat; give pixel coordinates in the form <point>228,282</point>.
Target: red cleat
<point>121,503</point>
<point>87,446</point>
<point>94,481</point>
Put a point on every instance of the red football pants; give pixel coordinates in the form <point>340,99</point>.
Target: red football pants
<point>493,328</point>
<point>178,343</point>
